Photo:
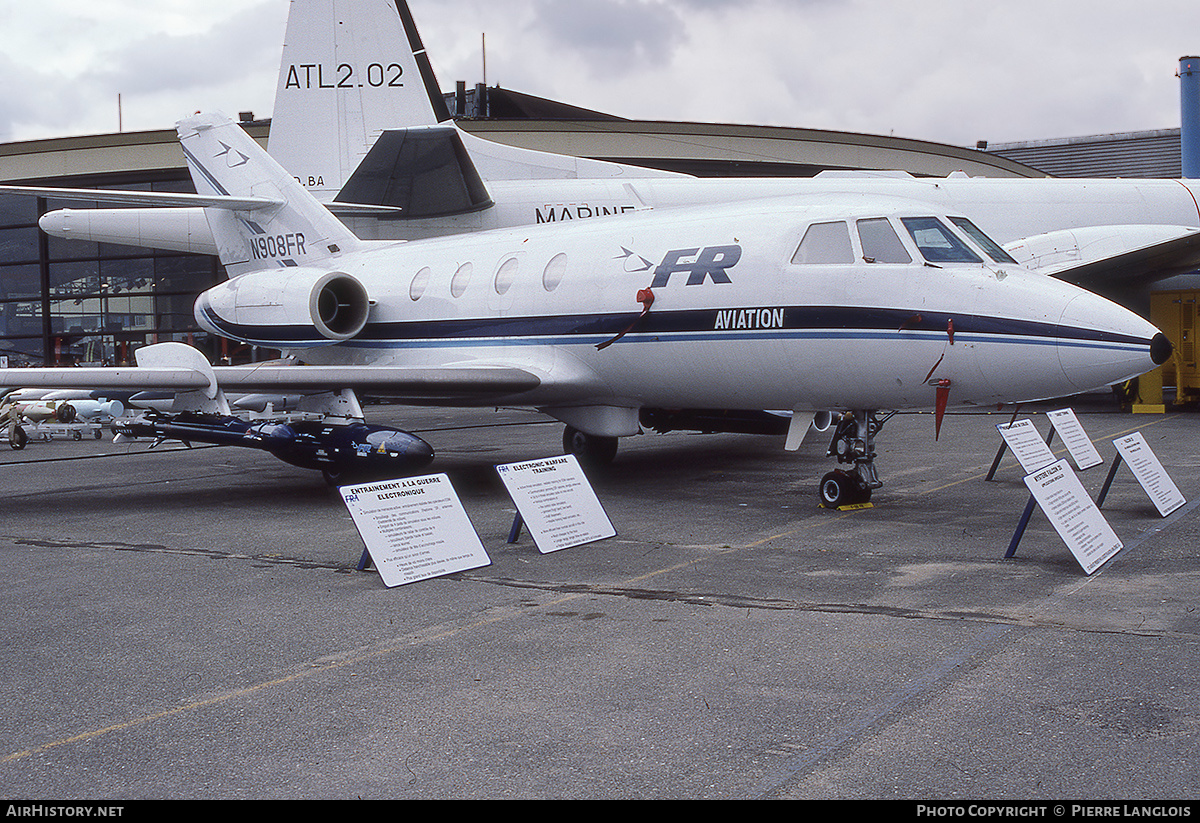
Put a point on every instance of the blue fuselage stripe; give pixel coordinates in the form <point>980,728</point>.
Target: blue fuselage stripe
<point>709,325</point>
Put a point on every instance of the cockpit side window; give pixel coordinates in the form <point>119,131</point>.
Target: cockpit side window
<point>824,243</point>
<point>937,243</point>
<point>989,246</point>
<point>880,243</point>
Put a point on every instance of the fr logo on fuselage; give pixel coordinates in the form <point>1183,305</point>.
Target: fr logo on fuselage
<point>700,264</point>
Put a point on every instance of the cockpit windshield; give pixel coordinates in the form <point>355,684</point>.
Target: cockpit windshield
<point>937,243</point>
<point>990,246</point>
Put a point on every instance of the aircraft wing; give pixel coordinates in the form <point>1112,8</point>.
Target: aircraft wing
<point>401,382</point>
<point>1111,255</point>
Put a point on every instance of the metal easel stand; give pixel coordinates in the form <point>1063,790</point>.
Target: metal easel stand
<point>1029,507</point>
<point>514,534</point>
<point>1108,480</point>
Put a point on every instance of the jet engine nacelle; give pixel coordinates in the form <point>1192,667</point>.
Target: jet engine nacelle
<point>286,307</point>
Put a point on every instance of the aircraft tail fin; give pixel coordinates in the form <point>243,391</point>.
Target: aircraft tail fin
<point>350,69</point>
<point>353,69</point>
<point>294,230</point>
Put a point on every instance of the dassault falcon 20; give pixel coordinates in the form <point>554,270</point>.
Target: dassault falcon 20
<point>855,303</point>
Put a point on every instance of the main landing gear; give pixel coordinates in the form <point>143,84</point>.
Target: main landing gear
<point>854,443</point>
<point>589,449</point>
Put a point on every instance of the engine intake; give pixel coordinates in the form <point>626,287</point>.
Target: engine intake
<point>339,306</point>
<point>294,307</point>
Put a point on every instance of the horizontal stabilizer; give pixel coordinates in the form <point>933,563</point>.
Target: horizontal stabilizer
<point>147,198</point>
<point>425,171</point>
<point>1101,256</point>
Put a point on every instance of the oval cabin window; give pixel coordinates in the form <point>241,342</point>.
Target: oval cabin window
<point>554,272</point>
<point>458,284</point>
<point>505,275</point>
<point>419,283</point>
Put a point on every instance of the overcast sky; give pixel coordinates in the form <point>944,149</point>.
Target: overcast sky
<point>951,71</point>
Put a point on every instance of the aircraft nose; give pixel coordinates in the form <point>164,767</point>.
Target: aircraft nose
<point>1101,343</point>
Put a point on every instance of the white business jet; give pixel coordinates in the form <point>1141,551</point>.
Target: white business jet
<point>856,303</point>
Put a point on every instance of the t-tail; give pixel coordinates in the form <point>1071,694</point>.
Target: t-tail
<point>355,69</point>
<point>273,222</point>
<point>350,69</point>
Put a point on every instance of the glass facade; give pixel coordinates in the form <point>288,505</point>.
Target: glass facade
<point>69,302</point>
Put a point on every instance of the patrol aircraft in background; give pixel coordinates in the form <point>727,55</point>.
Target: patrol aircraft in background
<point>360,120</point>
<point>861,303</point>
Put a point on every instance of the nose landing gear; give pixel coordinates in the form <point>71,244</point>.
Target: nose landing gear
<point>853,443</point>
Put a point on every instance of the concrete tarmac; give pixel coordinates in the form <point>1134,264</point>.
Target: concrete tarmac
<point>190,624</point>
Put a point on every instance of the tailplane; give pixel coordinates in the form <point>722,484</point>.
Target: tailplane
<point>350,69</point>
<point>354,69</point>
<point>295,230</point>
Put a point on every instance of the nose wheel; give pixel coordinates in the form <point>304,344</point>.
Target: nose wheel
<point>842,488</point>
<point>853,443</point>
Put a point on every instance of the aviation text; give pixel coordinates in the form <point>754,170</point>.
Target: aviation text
<point>766,318</point>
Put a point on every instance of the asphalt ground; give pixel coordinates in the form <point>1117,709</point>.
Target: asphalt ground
<point>191,624</point>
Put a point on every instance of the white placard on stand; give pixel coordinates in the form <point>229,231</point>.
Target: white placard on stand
<point>1078,444</point>
<point>1073,514</point>
<point>556,501</point>
<point>1150,473</point>
<point>1027,445</point>
<point>415,528</point>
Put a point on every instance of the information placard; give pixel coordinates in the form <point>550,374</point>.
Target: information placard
<point>1074,516</point>
<point>1079,445</point>
<point>414,527</point>
<point>1150,473</point>
<point>1027,445</point>
<point>556,501</point>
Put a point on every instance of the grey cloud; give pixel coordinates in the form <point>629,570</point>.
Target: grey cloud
<point>226,52</point>
<point>618,33</point>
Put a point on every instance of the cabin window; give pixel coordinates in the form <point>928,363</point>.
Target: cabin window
<point>458,283</point>
<point>825,243</point>
<point>880,244</point>
<point>937,243</point>
<point>505,275</point>
<point>554,271</point>
<point>419,283</point>
<point>990,247</point>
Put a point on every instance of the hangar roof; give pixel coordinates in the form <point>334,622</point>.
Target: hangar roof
<point>702,149</point>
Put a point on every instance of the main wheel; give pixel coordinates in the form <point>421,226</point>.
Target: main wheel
<point>591,450</point>
<point>17,437</point>
<point>839,488</point>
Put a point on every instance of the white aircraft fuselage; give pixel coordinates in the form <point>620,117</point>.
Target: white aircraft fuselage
<point>734,323</point>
